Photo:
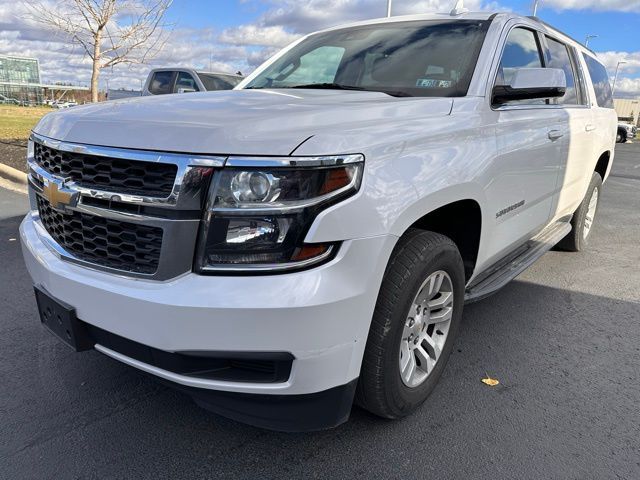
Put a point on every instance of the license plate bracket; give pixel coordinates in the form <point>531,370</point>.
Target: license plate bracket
<point>61,320</point>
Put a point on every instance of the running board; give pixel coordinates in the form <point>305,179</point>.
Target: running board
<point>506,270</point>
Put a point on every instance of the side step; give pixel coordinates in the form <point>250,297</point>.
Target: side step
<point>506,270</point>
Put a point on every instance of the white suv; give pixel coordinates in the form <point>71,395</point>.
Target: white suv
<point>311,237</point>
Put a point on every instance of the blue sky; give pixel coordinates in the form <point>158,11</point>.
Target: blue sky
<point>615,29</point>
<point>219,13</point>
<point>231,35</point>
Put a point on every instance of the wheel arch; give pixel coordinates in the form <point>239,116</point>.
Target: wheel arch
<point>623,133</point>
<point>603,164</point>
<point>461,221</point>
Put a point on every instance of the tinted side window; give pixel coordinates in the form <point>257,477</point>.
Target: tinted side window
<point>600,79</point>
<point>520,51</point>
<point>186,81</point>
<point>560,59</point>
<point>161,83</point>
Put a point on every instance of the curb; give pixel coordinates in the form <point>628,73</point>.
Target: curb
<point>13,179</point>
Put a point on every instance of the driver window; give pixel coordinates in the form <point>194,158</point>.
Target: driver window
<point>317,66</point>
<point>520,51</point>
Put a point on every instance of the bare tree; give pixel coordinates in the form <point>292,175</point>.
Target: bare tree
<point>110,32</point>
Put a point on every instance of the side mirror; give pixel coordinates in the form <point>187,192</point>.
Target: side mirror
<point>186,90</point>
<point>530,84</point>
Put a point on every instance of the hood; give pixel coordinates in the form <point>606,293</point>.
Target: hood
<point>235,122</point>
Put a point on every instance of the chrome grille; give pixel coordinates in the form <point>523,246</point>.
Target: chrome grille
<point>116,175</point>
<point>126,211</point>
<point>103,241</point>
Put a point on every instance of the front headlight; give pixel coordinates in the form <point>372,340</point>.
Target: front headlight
<point>260,210</point>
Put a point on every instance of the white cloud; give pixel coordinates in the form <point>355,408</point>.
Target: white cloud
<point>611,59</point>
<point>310,15</point>
<point>273,36</point>
<point>597,5</point>
<point>628,87</point>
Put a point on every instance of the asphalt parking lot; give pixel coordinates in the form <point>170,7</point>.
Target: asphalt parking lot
<point>563,339</point>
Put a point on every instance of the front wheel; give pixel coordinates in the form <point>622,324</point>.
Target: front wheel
<point>621,137</point>
<point>584,218</point>
<point>414,326</point>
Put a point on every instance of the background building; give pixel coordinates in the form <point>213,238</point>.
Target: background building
<point>20,84</point>
<point>20,80</point>
<point>628,109</point>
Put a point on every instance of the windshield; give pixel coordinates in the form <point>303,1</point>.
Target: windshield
<point>427,59</point>
<point>218,81</point>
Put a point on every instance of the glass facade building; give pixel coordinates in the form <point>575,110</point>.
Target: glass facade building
<point>20,81</point>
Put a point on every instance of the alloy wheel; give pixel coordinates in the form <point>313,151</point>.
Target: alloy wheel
<point>426,329</point>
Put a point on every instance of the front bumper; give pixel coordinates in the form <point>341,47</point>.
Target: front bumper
<point>320,316</point>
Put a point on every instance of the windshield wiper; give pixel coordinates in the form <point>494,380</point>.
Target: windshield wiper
<point>338,86</point>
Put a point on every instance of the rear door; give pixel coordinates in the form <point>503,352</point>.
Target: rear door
<point>531,137</point>
<point>578,146</point>
<point>602,108</point>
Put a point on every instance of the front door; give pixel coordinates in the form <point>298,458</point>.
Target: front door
<point>531,137</point>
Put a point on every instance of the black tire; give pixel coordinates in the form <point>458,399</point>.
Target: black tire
<point>417,255</point>
<point>576,240</point>
<point>621,137</point>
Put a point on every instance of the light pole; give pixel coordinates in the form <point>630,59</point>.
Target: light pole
<point>389,7</point>
<point>589,37</point>
<point>615,78</point>
<point>535,8</point>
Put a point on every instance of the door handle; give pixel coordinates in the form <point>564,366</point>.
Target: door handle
<point>589,127</point>
<point>555,134</point>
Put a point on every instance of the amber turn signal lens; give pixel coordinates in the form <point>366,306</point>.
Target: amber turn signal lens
<point>309,251</point>
<point>336,179</point>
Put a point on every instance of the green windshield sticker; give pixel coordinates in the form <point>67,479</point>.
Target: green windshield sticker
<point>430,83</point>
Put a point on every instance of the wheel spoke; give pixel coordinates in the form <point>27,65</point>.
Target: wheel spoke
<point>436,283</point>
<point>443,315</point>
<point>431,347</point>
<point>404,355</point>
<point>410,368</point>
<point>426,362</point>
<point>407,329</point>
<point>443,300</point>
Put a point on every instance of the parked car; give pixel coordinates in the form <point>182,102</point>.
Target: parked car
<point>311,237</point>
<point>185,80</point>
<point>626,131</point>
<point>64,104</point>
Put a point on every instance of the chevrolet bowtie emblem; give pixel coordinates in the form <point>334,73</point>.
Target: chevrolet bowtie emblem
<point>58,195</point>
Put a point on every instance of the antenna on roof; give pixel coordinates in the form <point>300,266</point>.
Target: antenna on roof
<point>458,9</point>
